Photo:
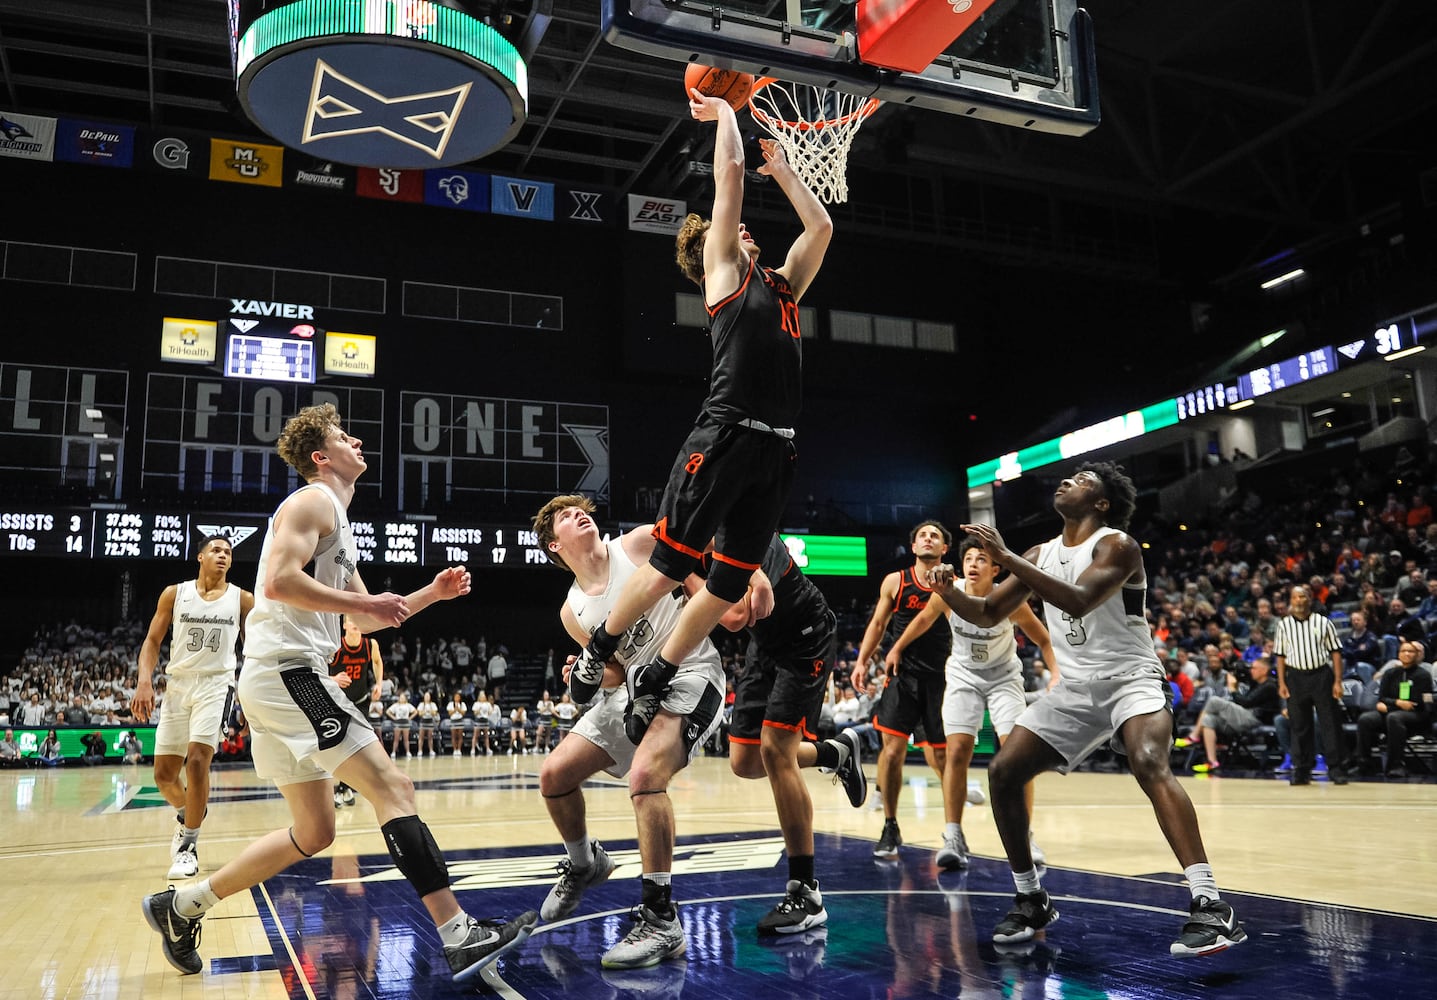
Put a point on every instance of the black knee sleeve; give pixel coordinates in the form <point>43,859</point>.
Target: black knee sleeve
<point>728,582</point>
<point>415,854</point>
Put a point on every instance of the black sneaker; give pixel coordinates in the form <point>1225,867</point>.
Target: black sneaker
<point>646,683</point>
<point>850,772</point>
<point>181,935</point>
<point>487,940</point>
<point>1212,927</point>
<point>1300,777</point>
<point>889,841</point>
<point>800,909</point>
<point>1031,912</point>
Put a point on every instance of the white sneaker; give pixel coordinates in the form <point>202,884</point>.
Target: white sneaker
<point>651,940</point>
<point>953,855</point>
<point>975,794</point>
<point>178,840</point>
<point>348,796</point>
<point>564,898</point>
<point>186,863</point>
<point>457,754</point>
<point>338,799</point>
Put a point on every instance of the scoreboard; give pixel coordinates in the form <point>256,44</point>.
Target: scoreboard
<point>124,534</point>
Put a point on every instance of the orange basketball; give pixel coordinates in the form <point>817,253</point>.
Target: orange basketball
<point>727,84</point>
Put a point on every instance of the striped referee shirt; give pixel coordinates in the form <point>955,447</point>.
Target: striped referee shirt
<point>1306,644</point>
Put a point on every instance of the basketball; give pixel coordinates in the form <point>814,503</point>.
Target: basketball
<point>727,84</point>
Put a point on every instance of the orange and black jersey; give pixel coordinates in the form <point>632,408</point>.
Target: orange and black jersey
<point>758,353</point>
<point>929,652</point>
<point>359,665</point>
<point>801,623</point>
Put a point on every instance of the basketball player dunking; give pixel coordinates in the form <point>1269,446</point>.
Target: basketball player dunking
<point>1092,583</point>
<point>208,616</point>
<point>732,476</point>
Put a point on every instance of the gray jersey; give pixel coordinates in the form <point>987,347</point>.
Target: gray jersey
<point>985,650</point>
<point>275,630</point>
<point>1109,640</point>
<point>203,633</point>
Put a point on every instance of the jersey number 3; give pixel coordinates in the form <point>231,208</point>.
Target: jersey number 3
<point>1076,635</point>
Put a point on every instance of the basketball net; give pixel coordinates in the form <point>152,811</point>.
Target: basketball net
<point>815,127</point>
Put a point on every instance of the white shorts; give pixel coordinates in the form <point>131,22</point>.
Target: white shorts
<point>1075,718</point>
<point>193,711</point>
<point>966,693</point>
<point>303,724</point>
<point>603,726</point>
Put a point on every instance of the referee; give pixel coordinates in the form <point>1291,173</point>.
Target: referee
<point>1309,676</point>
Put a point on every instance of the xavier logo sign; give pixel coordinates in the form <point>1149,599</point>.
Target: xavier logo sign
<point>339,106</point>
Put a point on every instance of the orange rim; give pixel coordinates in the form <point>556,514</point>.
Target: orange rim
<point>763,118</point>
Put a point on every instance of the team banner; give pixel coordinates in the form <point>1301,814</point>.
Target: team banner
<point>349,354</point>
<point>189,341</point>
<point>27,137</point>
<point>457,189</point>
<point>391,185</point>
<point>586,206</point>
<point>656,215</point>
<point>95,143</point>
<point>526,199</point>
<point>173,151</point>
<point>246,162</point>
<point>304,171</point>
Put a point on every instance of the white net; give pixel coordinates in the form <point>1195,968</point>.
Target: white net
<point>815,127</point>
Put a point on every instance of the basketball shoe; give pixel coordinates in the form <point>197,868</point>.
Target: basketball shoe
<point>186,863</point>
<point>1211,927</point>
<point>486,941</point>
<point>647,683</point>
<point>953,855</point>
<point>564,898</point>
<point>889,841</point>
<point>180,935</point>
<point>651,940</point>
<point>849,773</point>
<point>800,909</point>
<point>1031,912</point>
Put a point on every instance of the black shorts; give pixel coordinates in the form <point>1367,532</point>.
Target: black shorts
<point>912,705</point>
<point>783,692</point>
<point>729,484</point>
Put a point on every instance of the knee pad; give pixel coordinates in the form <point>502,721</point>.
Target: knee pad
<point>415,854</point>
<point>728,582</point>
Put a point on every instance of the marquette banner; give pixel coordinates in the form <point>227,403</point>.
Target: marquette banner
<point>526,199</point>
<point>656,215</point>
<point>189,341</point>
<point>349,354</point>
<point>94,143</point>
<point>246,162</point>
<point>27,137</point>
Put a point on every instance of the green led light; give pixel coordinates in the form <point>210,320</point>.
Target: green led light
<point>829,555</point>
<point>383,20</point>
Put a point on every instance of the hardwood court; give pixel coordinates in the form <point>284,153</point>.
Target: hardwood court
<point>1333,884</point>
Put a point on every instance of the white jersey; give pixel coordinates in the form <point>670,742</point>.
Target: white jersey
<point>982,649</point>
<point>652,628</point>
<point>203,633</point>
<point>275,630</point>
<point>1110,640</point>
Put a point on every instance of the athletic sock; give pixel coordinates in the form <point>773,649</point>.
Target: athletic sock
<point>658,893</point>
<point>831,754</point>
<point>454,930</point>
<point>1201,881</point>
<point>951,829</point>
<point>188,837</point>
<point>800,869</point>
<point>195,900</point>
<point>1027,882</point>
<point>581,852</point>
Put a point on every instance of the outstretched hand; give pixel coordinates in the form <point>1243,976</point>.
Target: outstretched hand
<point>451,583</point>
<point>704,108</point>
<point>774,158</point>
<point>987,536</point>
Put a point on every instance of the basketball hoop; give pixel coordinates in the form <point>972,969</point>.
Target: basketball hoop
<point>815,127</point>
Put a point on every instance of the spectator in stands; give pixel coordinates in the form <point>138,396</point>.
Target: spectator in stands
<point>1403,710</point>
<point>1263,618</point>
<point>518,723</point>
<point>49,753</point>
<point>1402,623</point>
<point>457,722</point>
<point>1419,514</point>
<point>9,750</point>
<point>400,713</point>
<point>1233,623</point>
<point>498,671</point>
<point>232,747</point>
<point>1248,705</point>
<point>428,712</point>
<point>486,716</point>
<point>75,713</point>
<point>32,713</point>
<point>1413,588</point>
<point>94,752</point>
<point>1374,572</point>
<point>462,653</point>
<point>1181,683</point>
<point>1361,649</point>
<point>134,752</point>
<point>545,710</point>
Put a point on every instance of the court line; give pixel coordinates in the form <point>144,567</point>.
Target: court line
<point>289,948</point>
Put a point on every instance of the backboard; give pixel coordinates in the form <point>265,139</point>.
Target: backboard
<point>1025,63</point>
